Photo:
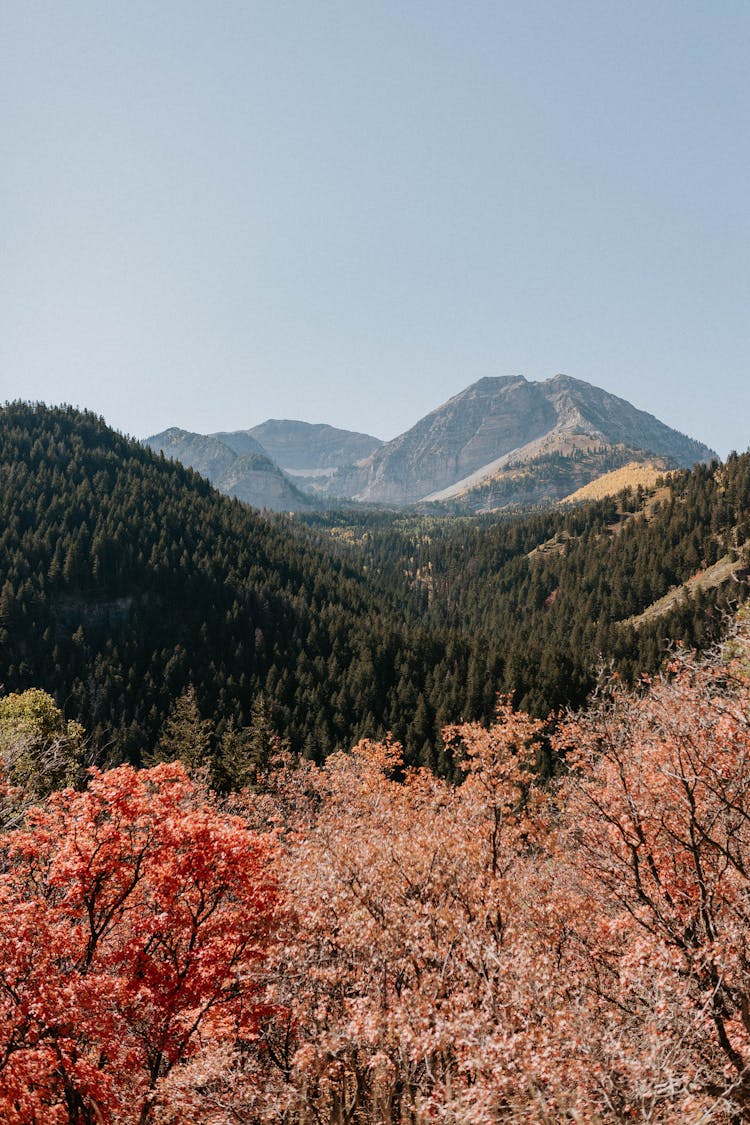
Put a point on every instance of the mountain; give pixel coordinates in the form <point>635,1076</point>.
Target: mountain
<point>496,425</point>
<point>254,478</point>
<point>236,463</point>
<point>206,453</point>
<point>503,442</point>
<point>256,465</point>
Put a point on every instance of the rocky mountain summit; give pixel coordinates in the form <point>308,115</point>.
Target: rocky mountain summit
<point>206,453</point>
<point>500,425</point>
<point>279,464</point>
<point>502,442</point>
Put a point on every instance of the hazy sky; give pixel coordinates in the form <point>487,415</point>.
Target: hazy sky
<point>221,212</point>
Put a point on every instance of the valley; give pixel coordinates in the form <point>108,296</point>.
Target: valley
<point>324,799</point>
<point>128,579</point>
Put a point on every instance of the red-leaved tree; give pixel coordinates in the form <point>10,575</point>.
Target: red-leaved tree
<point>134,920</point>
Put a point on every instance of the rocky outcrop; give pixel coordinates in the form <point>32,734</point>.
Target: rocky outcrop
<point>255,479</point>
<point>205,453</point>
<point>485,421</point>
<point>584,408</point>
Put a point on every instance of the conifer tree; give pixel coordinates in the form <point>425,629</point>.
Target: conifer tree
<point>247,754</point>
<point>185,736</point>
<point>261,744</point>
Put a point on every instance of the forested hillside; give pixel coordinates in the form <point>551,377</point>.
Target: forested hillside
<point>126,580</point>
<point>552,592</point>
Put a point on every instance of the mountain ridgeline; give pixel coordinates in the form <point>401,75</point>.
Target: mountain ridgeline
<point>126,579</point>
<point>501,443</point>
<point>267,475</point>
<point>498,424</point>
<point>238,466</point>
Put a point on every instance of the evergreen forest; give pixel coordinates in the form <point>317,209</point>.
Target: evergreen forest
<point>128,582</point>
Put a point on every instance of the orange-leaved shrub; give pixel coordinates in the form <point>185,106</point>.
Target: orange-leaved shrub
<point>500,952</point>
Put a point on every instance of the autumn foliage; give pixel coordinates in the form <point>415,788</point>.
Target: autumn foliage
<point>500,952</point>
<point>360,944</point>
<point>133,920</point>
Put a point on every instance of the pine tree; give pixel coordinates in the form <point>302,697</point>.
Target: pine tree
<point>185,736</point>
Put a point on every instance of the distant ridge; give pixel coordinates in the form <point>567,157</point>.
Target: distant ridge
<point>502,442</point>
<point>304,445</point>
<point>242,469</point>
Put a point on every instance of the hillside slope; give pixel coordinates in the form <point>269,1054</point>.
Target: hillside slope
<point>125,578</point>
<point>549,596</point>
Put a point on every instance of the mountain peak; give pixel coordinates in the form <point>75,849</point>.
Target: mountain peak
<point>312,446</point>
<point>493,382</point>
<point>507,420</point>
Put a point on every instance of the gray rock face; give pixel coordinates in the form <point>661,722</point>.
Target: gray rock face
<point>255,479</point>
<point>489,419</point>
<point>205,453</point>
<point>240,441</point>
<point>245,471</point>
<point>302,445</point>
<point>502,421</point>
<point>586,409</point>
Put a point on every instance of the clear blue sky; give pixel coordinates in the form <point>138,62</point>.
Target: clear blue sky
<point>222,212</point>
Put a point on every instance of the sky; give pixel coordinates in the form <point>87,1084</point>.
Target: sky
<point>346,212</point>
